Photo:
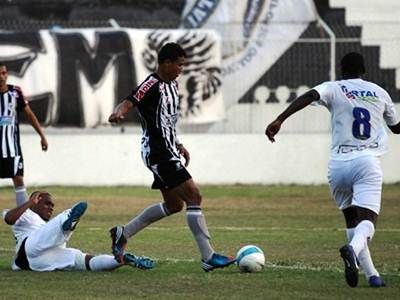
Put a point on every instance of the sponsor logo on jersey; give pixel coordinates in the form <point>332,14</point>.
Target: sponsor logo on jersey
<point>350,148</point>
<point>369,96</point>
<point>143,89</point>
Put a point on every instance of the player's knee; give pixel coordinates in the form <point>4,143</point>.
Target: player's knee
<point>18,181</point>
<point>196,197</point>
<point>174,207</point>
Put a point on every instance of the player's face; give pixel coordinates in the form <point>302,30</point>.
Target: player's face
<point>174,68</point>
<point>45,206</point>
<point>3,75</point>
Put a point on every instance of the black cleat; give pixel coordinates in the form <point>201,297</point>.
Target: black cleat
<point>350,265</point>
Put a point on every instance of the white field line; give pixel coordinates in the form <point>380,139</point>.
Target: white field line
<point>7,249</point>
<point>231,228</point>
<point>269,265</point>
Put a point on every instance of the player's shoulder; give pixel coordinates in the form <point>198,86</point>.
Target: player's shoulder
<point>147,85</point>
<point>13,87</point>
<point>151,80</point>
<point>376,87</point>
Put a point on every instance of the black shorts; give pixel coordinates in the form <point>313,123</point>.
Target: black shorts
<point>169,174</point>
<point>11,167</point>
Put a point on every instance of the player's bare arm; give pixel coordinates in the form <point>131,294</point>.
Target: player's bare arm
<point>120,111</point>
<point>14,214</point>
<point>185,153</point>
<point>395,128</point>
<point>35,124</point>
<point>298,104</point>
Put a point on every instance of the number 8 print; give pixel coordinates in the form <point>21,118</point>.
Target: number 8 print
<point>361,126</point>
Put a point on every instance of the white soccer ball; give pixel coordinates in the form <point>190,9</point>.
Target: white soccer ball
<point>250,259</point>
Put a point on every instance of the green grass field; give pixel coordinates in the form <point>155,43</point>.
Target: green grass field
<point>298,227</point>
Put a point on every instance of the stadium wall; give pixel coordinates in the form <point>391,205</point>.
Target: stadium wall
<point>114,159</point>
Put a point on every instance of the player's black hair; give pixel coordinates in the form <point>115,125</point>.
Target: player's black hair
<point>2,64</point>
<point>171,51</point>
<point>42,193</point>
<point>352,64</point>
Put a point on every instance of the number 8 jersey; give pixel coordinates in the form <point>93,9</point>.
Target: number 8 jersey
<point>358,110</point>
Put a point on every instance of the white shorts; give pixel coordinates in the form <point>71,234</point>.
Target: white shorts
<point>46,248</point>
<point>356,182</point>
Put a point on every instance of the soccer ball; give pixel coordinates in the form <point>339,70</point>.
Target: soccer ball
<point>250,259</point>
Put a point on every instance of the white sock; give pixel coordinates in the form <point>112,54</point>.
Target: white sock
<point>349,233</point>
<point>363,232</point>
<point>149,215</point>
<point>103,262</point>
<point>20,195</point>
<point>366,263</point>
<point>198,226</point>
<point>364,257</point>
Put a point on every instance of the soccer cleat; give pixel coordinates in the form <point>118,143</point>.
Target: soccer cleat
<point>140,262</point>
<point>350,265</point>
<point>118,243</point>
<point>217,261</point>
<point>376,281</point>
<point>74,215</point>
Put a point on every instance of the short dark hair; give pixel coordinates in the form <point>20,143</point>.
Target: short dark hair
<point>43,194</point>
<point>171,51</point>
<point>2,64</point>
<point>352,64</point>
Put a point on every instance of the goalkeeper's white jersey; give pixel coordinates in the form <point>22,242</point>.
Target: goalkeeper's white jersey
<point>358,110</point>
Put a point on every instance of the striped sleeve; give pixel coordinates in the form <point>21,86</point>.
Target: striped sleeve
<point>21,100</point>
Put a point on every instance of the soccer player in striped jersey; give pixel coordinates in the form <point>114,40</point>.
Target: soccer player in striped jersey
<point>12,103</point>
<point>358,110</point>
<point>157,101</point>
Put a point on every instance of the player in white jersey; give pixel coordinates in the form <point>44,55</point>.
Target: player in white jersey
<point>41,242</point>
<point>12,103</point>
<point>358,110</point>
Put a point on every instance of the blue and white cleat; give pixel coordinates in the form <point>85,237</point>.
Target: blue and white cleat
<point>350,265</point>
<point>74,215</point>
<point>376,282</point>
<point>118,243</point>
<point>140,262</point>
<point>217,261</point>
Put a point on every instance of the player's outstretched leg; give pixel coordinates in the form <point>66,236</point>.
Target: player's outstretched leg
<point>217,261</point>
<point>118,243</point>
<point>350,265</point>
<point>74,215</point>
<point>141,262</point>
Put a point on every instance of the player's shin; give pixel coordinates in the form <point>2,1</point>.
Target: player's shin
<point>149,215</point>
<point>198,226</point>
<point>363,232</point>
<point>20,195</point>
<point>103,263</point>
<point>364,257</point>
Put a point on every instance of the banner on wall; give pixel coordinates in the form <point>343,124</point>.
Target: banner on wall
<point>75,77</point>
<point>256,33</point>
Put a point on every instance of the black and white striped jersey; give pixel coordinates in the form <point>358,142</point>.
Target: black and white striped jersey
<point>157,102</point>
<point>12,103</point>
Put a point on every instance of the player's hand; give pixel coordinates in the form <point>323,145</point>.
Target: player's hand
<point>116,118</point>
<point>182,151</point>
<point>44,144</point>
<point>35,198</point>
<point>272,129</point>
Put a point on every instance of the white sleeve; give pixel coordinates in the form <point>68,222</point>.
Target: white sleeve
<point>390,114</point>
<point>325,92</point>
